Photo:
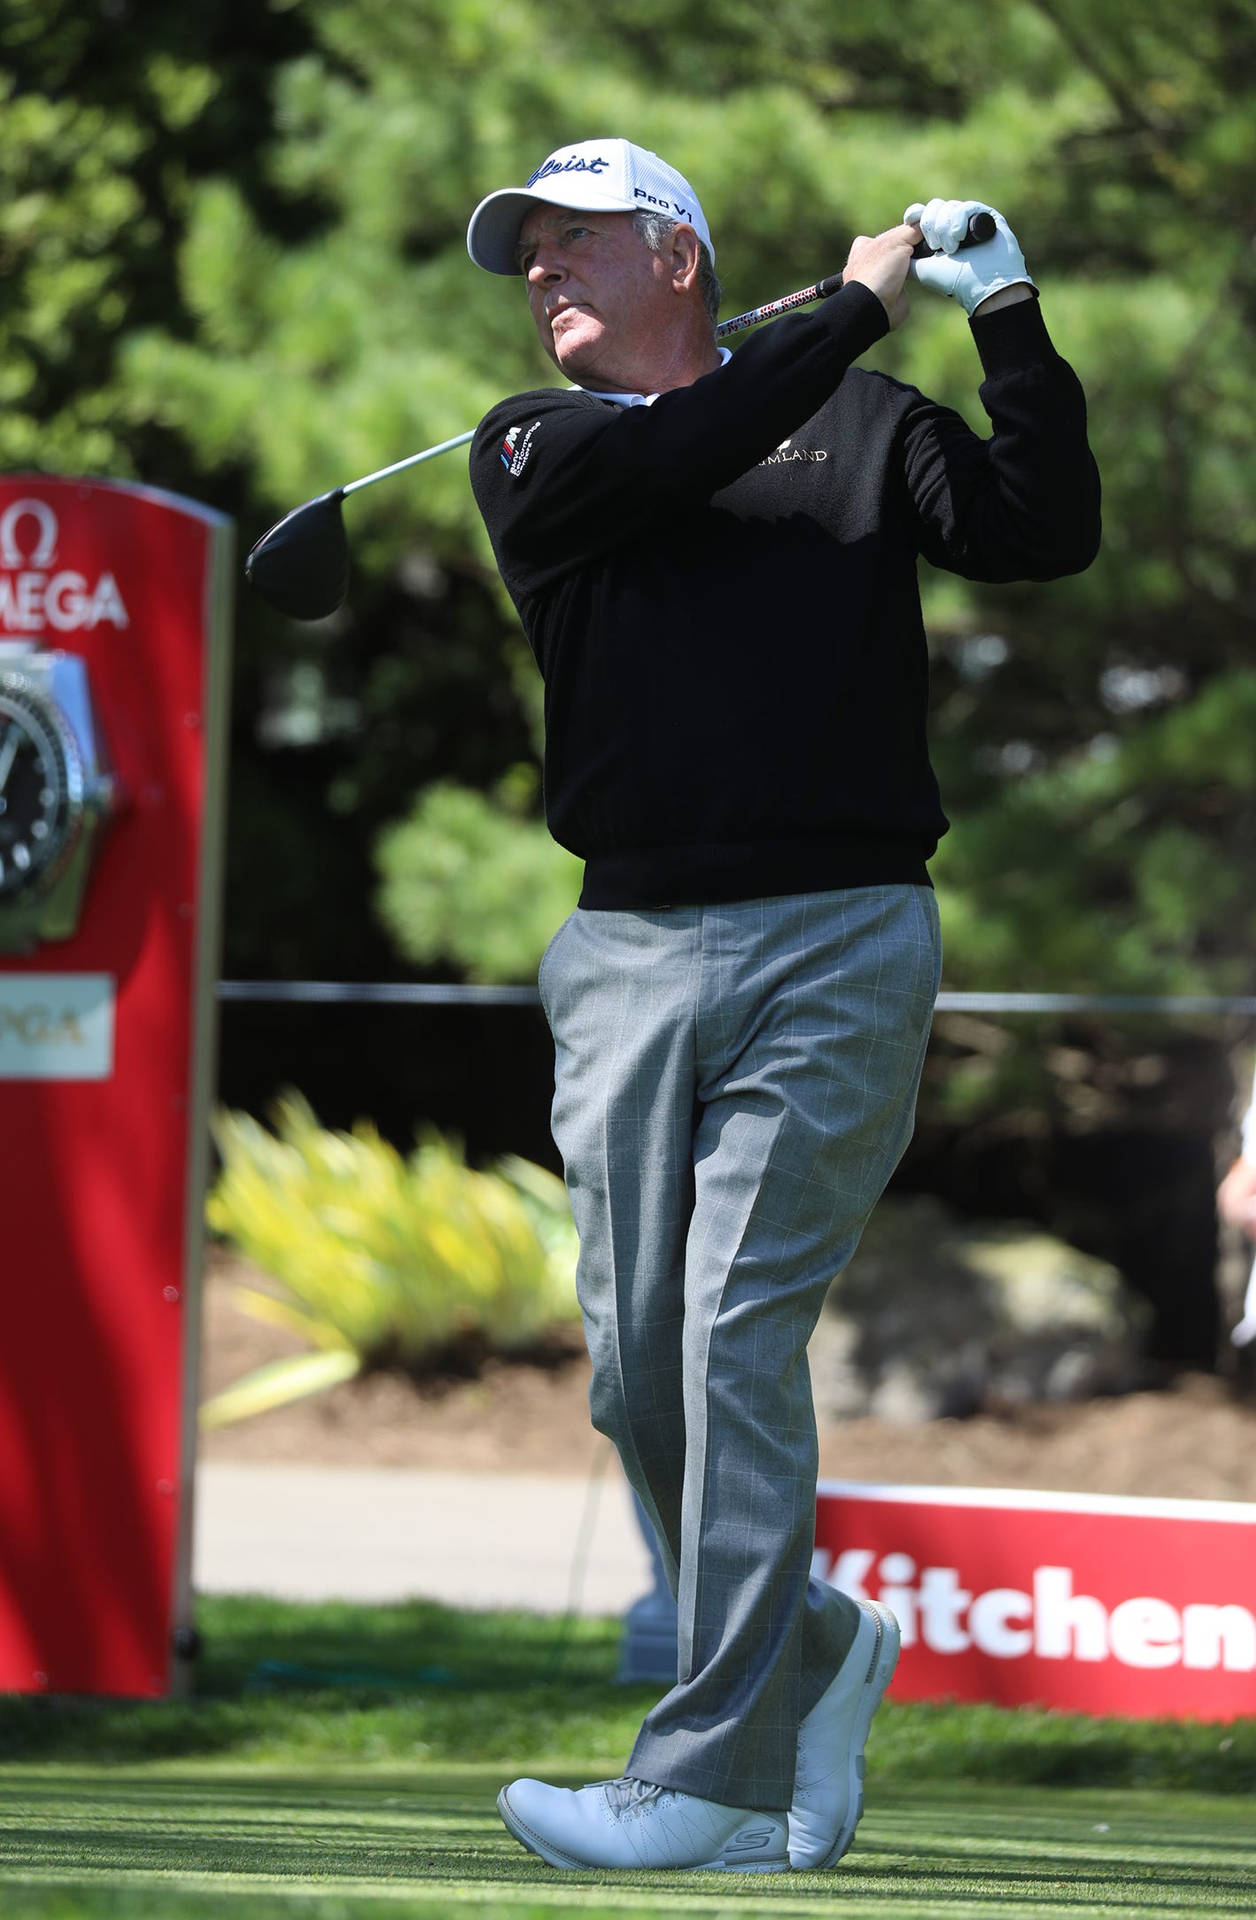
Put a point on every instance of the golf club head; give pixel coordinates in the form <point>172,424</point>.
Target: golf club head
<point>302,565</point>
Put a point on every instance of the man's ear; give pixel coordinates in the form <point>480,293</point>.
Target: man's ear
<point>685,256</point>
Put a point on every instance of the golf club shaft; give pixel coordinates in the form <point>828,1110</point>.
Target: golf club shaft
<point>799,299</point>
<point>413,460</point>
<point>820,291</point>
<point>804,296</point>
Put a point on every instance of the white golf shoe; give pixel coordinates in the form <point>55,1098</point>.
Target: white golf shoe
<point>629,1823</point>
<point>828,1782</point>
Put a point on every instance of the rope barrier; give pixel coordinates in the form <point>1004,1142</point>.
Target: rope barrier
<point>378,993</point>
<point>411,993</point>
<point>1206,1003</point>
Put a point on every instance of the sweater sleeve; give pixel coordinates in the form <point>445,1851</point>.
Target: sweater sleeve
<point>1024,504</point>
<point>559,477</point>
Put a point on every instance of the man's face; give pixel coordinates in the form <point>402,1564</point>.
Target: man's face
<point>597,294</point>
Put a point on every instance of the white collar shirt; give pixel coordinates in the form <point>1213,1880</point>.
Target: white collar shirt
<point>639,399</point>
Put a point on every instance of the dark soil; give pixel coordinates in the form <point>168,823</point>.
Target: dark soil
<point>1195,1439</point>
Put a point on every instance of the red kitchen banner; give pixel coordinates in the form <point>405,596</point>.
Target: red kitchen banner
<point>1145,1608</point>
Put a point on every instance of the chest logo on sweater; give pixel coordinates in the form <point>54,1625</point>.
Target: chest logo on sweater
<point>787,451</point>
<point>516,448</point>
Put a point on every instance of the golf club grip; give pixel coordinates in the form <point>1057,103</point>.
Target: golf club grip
<point>774,308</point>
<point>981,226</point>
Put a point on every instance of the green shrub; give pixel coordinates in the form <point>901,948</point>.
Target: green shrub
<point>381,1260</point>
<point>473,880</point>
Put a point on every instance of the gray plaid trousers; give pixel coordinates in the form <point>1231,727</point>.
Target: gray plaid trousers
<point>734,1086</point>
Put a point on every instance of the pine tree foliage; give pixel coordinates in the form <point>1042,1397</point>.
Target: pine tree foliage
<point>233,262</point>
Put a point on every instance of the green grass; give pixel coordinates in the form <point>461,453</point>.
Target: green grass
<point>341,1762</point>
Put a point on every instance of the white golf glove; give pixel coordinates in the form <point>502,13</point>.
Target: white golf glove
<point>972,274</point>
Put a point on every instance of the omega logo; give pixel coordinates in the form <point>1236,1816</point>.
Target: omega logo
<point>44,552</point>
<point>32,596</point>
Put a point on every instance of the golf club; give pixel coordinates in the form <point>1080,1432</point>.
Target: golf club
<point>301,565</point>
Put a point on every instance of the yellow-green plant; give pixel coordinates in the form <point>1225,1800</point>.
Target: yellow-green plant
<point>381,1259</point>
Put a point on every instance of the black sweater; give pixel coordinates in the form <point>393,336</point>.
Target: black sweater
<point>720,590</point>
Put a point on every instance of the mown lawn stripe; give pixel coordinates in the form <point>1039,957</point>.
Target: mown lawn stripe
<point>927,1851</point>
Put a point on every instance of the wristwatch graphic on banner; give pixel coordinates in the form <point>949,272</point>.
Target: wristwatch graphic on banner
<point>56,793</point>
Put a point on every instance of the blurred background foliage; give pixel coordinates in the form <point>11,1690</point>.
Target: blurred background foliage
<point>232,263</point>
<point>378,1261</point>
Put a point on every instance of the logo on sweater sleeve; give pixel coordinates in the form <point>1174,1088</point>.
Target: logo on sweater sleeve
<point>516,448</point>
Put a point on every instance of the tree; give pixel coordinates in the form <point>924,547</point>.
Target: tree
<point>476,879</point>
<point>235,264</point>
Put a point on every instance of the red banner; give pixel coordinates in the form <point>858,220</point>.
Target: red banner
<point>1145,1608</point>
<point>105,1047</point>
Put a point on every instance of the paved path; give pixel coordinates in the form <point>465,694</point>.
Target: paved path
<point>480,1540</point>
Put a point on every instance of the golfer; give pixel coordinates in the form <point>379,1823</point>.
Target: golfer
<point>714,559</point>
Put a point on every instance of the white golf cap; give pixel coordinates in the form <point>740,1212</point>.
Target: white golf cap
<point>598,176</point>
